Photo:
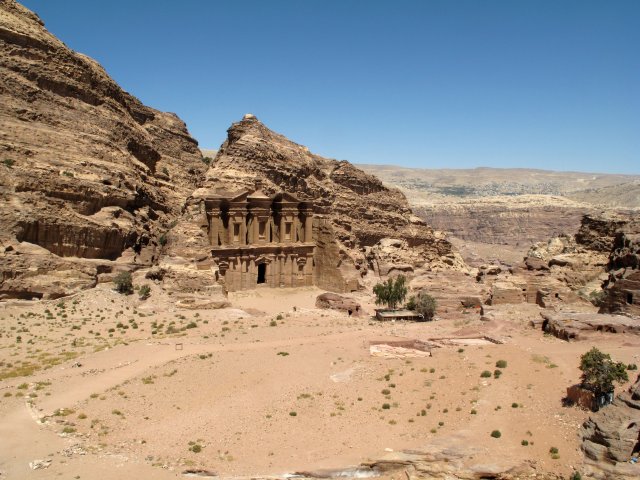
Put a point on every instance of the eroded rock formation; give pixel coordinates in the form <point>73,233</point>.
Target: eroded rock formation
<point>88,173</point>
<point>623,285</point>
<point>604,253</point>
<point>611,436</point>
<point>93,181</point>
<point>354,211</point>
<point>578,326</point>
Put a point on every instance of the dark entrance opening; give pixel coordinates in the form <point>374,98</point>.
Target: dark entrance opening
<point>262,273</point>
<point>629,298</point>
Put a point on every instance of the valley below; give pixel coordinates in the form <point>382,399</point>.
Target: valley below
<point>236,392</point>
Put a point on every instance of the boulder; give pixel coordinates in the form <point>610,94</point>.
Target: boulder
<point>334,301</point>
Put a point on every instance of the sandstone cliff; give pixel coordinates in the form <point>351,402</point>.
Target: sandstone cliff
<point>88,174</point>
<point>354,210</point>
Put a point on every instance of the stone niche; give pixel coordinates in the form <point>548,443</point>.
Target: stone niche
<point>261,240</point>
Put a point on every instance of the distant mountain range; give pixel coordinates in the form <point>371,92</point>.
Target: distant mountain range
<point>609,190</point>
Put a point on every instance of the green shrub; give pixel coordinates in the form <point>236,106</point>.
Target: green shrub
<point>599,372</point>
<point>162,239</point>
<point>293,414</point>
<point>425,305</point>
<point>144,292</point>
<point>524,443</point>
<point>631,366</point>
<point>8,162</point>
<point>501,364</point>
<point>195,448</point>
<point>386,406</point>
<point>485,374</point>
<point>123,282</point>
<point>597,297</point>
<point>496,434</point>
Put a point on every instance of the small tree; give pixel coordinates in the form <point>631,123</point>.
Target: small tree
<point>599,372</point>
<point>424,304</point>
<point>124,283</point>
<point>392,292</point>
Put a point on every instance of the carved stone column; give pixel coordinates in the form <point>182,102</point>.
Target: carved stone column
<point>308,227</point>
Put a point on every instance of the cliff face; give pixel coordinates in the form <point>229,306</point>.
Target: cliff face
<point>623,284</point>
<point>500,220</point>
<point>89,174</point>
<point>353,208</point>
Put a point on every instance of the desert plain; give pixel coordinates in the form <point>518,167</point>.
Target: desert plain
<point>123,387</point>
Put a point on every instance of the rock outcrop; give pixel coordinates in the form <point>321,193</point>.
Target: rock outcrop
<point>578,325</point>
<point>354,210</point>
<point>612,435</point>
<point>333,301</point>
<point>88,173</point>
<point>603,251</point>
<point>623,285</point>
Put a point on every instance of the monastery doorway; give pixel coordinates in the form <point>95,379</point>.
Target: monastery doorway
<point>262,273</point>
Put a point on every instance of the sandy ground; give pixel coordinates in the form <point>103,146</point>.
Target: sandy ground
<point>108,386</point>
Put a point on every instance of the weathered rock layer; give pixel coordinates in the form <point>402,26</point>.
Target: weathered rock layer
<point>88,171</point>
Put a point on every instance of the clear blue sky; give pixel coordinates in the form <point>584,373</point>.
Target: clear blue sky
<point>551,84</point>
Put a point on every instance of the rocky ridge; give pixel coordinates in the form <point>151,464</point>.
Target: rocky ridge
<point>90,177</point>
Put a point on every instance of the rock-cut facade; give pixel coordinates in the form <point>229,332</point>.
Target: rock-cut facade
<point>258,240</point>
